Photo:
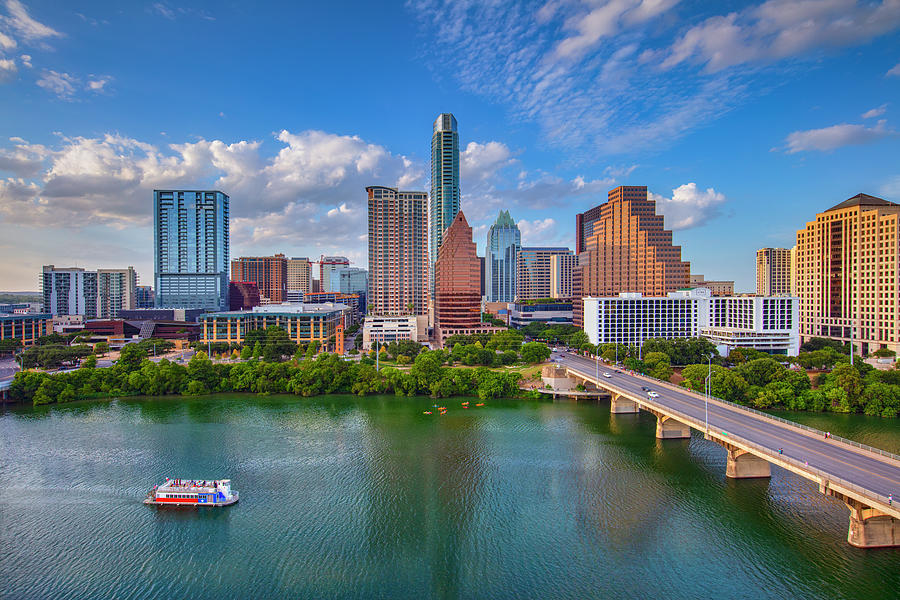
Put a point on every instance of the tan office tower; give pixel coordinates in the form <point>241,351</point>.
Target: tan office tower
<point>773,272</point>
<point>561,266</point>
<point>534,272</point>
<point>269,273</point>
<point>629,250</point>
<point>398,252</point>
<point>846,273</point>
<point>299,272</point>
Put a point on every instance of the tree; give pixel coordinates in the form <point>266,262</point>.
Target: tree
<point>101,348</point>
<point>10,345</point>
<point>130,358</point>
<point>535,352</point>
<point>761,371</point>
<point>577,339</point>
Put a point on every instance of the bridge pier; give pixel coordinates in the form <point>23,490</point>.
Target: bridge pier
<point>744,465</point>
<point>668,428</point>
<point>620,405</point>
<point>869,527</point>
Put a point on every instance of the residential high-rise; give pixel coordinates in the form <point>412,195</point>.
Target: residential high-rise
<point>242,295</point>
<point>773,272</point>
<point>457,291</point>
<point>846,273</point>
<point>192,249</point>
<point>445,195</point>
<point>69,291</point>
<point>327,266</point>
<point>503,243</point>
<point>561,267</point>
<point>116,290</point>
<point>629,250</point>
<point>299,274</point>
<point>269,273</point>
<point>533,272</point>
<point>398,251</point>
<point>146,298</point>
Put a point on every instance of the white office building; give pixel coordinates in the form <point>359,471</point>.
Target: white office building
<point>767,324</point>
<point>378,330</point>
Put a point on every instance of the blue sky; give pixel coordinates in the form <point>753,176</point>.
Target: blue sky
<point>743,118</point>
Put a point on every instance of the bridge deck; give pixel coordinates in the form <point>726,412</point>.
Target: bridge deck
<point>857,472</point>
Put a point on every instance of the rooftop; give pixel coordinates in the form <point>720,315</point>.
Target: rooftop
<point>862,200</point>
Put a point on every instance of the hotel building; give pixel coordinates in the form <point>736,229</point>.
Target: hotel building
<point>846,274</point>
<point>299,274</point>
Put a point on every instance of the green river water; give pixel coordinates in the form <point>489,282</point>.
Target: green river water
<point>345,497</point>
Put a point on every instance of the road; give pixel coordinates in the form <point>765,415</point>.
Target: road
<point>877,474</point>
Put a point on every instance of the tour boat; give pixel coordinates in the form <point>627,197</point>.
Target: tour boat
<point>192,492</point>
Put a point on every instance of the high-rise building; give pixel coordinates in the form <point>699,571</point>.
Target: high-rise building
<point>269,273</point>
<point>533,272</point>
<point>398,251</point>
<point>299,274</point>
<point>352,280</point>
<point>69,291</point>
<point>329,265</point>
<point>242,295</point>
<point>192,249</point>
<point>629,250</point>
<point>773,272</point>
<point>846,273</point>
<point>146,298</point>
<point>561,267</point>
<point>445,195</point>
<point>503,243</point>
<point>584,227</point>
<point>457,291</point>
<point>116,291</point>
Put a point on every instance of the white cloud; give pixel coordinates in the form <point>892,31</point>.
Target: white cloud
<point>875,112</point>
<point>893,71</point>
<point>6,42</point>
<point>782,28</point>
<point>8,69</point>
<point>21,22</point>
<point>343,209</point>
<point>165,11</point>
<point>542,232</point>
<point>482,161</point>
<point>573,68</point>
<point>26,60</point>
<point>689,206</point>
<point>98,84</point>
<point>108,180</point>
<point>61,84</point>
<point>836,136</point>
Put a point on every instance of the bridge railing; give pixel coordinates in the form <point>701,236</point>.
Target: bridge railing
<point>766,415</point>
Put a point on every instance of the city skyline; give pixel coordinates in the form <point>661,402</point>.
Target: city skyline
<point>741,121</point>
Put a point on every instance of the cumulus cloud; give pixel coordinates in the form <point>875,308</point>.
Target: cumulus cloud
<point>483,160</point>
<point>542,232</point>
<point>61,84</point>
<point>836,136</point>
<point>108,180</point>
<point>689,206</point>
<point>875,112</point>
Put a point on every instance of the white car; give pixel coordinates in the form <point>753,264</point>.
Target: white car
<point>607,375</point>
<point>652,395</point>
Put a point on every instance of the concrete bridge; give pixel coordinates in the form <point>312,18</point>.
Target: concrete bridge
<point>860,476</point>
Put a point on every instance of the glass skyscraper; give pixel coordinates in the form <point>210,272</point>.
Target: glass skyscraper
<point>191,259</point>
<point>503,243</point>
<point>444,183</point>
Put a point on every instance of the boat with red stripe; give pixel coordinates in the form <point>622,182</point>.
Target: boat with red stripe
<point>192,492</point>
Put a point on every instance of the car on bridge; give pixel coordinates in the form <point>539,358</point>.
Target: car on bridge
<point>652,394</point>
<point>607,375</point>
